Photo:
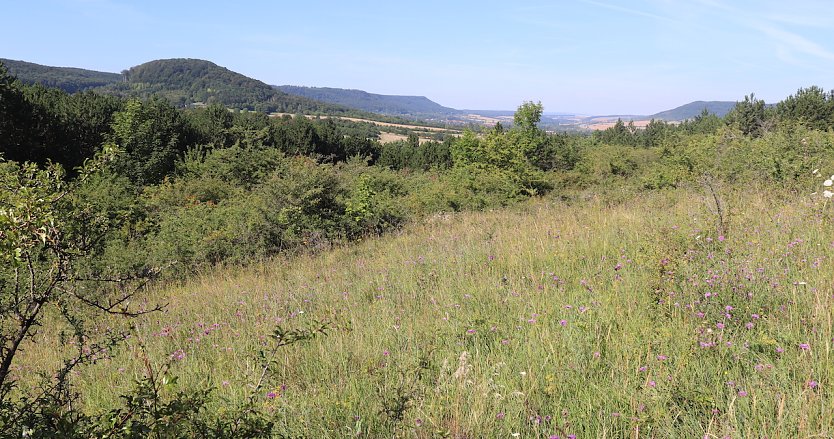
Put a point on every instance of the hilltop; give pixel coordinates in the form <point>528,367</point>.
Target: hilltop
<point>182,81</point>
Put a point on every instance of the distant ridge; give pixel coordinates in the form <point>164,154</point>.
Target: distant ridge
<point>69,79</point>
<point>187,82</point>
<point>182,81</point>
<point>375,103</point>
<point>693,109</point>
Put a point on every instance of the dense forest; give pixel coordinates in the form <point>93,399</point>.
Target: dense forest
<point>184,83</point>
<point>102,193</point>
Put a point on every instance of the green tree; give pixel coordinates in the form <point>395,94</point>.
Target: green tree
<point>811,106</point>
<point>153,135</point>
<point>527,116</point>
<point>749,116</point>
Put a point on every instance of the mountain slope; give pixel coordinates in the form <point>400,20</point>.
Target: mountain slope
<point>181,81</point>
<point>375,103</point>
<point>692,109</point>
<point>189,81</point>
<point>69,79</point>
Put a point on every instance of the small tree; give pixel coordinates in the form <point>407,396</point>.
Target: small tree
<point>749,116</point>
<point>46,236</point>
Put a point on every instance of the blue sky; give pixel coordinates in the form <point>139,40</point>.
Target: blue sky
<point>586,56</point>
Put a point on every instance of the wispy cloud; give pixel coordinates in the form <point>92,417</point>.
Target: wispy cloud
<point>627,10</point>
<point>789,46</point>
<point>795,42</point>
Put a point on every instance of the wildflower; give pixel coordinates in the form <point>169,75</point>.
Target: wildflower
<point>827,183</point>
<point>385,353</point>
<point>812,384</point>
<point>749,325</point>
<point>500,415</point>
<point>662,357</point>
<point>271,395</point>
<point>742,393</point>
<point>719,325</point>
<point>563,322</point>
<point>179,354</point>
<point>721,238</point>
<point>779,350</point>
<point>805,346</point>
<point>652,384</point>
<point>596,354</point>
<point>470,331</point>
<point>827,194</point>
<point>418,422</point>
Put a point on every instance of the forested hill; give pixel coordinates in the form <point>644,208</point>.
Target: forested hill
<point>183,82</point>
<point>190,81</point>
<point>69,79</point>
<point>375,103</point>
<point>692,109</point>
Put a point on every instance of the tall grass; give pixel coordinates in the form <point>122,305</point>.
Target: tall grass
<point>592,318</point>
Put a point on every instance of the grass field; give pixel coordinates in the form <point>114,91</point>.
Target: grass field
<point>601,317</point>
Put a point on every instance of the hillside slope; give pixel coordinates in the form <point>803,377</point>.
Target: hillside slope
<point>69,79</point>
<point>189,81</point>
<point>692,109</point>
<point>586,318</point>
<point>182,81</point>
<point>375,103</point>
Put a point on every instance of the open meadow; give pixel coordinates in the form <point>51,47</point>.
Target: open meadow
<point>607,316</point>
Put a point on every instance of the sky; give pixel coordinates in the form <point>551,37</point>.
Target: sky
<point>582,56</point>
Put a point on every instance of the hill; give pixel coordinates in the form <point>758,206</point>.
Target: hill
<point>182,81</point>
<point>194,81</point>
<point>375,103</point>
<point>692,109</point>
<point>69,79</point>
